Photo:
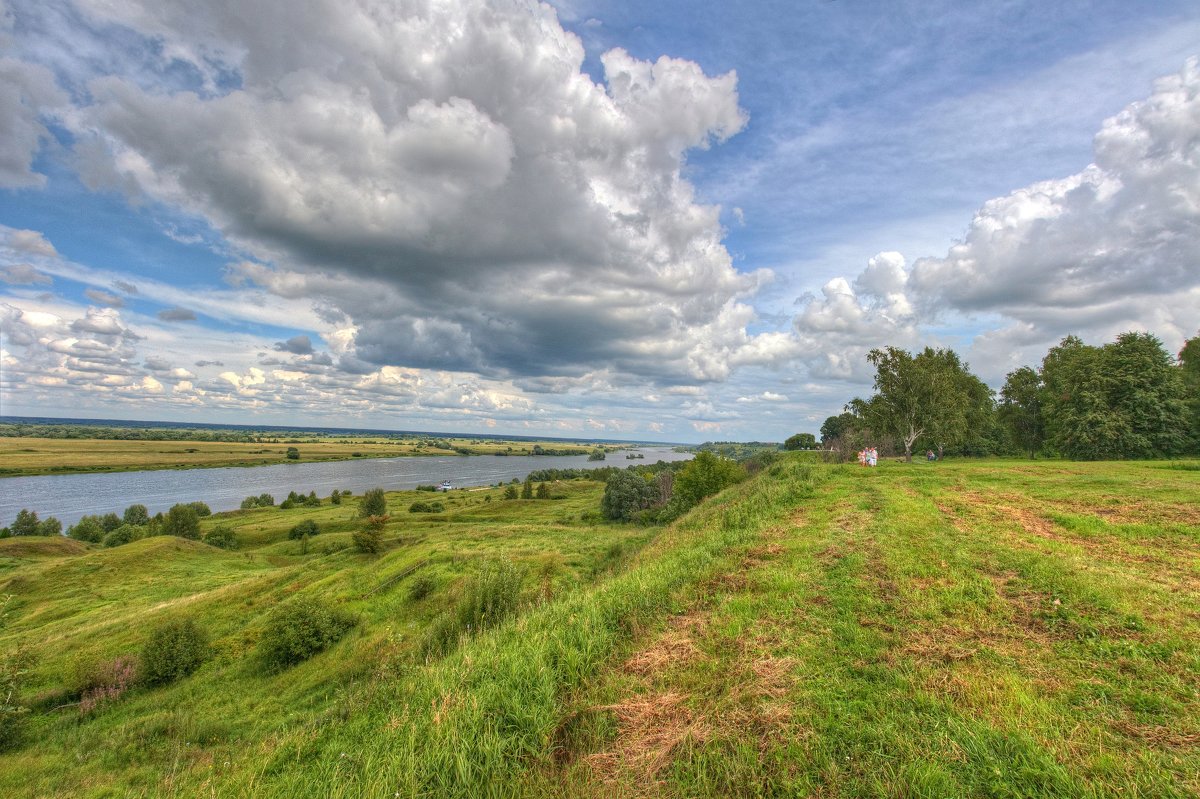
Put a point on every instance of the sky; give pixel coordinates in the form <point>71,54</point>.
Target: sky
<point>655,221</point>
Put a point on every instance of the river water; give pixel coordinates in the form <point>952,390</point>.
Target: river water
<point>71,496</point>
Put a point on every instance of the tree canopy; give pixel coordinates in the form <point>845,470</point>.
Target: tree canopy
<point>1122,400</point>
<point>931,394</point>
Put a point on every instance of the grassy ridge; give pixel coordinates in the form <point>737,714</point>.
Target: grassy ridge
<point>952,629</point>
<point>91,607</point>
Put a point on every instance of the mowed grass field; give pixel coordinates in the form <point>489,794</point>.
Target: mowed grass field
<point>29,456</point>
<point>994,628</point>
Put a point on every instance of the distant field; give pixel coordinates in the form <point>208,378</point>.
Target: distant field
<point>28,456</point>
<point>994,628</point>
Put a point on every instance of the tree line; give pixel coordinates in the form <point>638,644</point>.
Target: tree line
<point>1128,398</point>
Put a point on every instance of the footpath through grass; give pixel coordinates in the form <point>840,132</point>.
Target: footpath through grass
<point>955,629</point>
<point>977,629</point>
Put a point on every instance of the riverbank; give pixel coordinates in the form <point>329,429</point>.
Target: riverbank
<point>70,496</point>
<point>28,456</point>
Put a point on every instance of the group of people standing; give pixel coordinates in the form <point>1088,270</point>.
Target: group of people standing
<point>869,457</point>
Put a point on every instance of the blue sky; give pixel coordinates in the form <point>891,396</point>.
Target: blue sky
<point>647,220</point>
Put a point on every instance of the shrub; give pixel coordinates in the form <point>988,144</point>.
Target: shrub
<point>527,489</point>
<point>249,503</point>
<point>293,454</point>
<point>299,629</point>
<point>137,515</point>
<point>87,529</point>
<point>427,488</point>
<point>335,498</point>
<point>369,537</point>
<point>510,492</point>
<point>183,521</point>
<point>110,522</point>
<point>373,503</point>
<point>100,682</point>
<point>543,491</point>
<point>121,536</point>
<point>426,507</point>
<point>421,587</point>
<point>201,509</point>
<point>174,650</point>
<point>307,527</point>
<point>287,504</point>
<point>222,537</point>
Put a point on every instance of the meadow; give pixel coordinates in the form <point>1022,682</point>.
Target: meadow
<point>986,628</point>
<point>22,456</point>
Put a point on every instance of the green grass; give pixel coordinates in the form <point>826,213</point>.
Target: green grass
<point>994,628</point>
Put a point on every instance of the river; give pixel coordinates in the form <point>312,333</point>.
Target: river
<point>71,496</point>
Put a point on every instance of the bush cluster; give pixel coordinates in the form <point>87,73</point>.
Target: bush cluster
<point>307,527</point>
<point>174,650</point>
<point>426,507</point>
<point>261,501</point>
<point>222,537</point>
<point>299,629</point>
<point>295,500</point>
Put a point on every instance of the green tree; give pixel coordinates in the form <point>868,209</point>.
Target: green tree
<point>49,526</point>
<point>307,527</point>
<point>1189,372</point>
<point>110,522</point>
<point>527,489</point>
<point>543,491</point>
<point>369,537</point>
<point>373,503</point>
<point>121,536</point>
<point>835,428</point>
<point>87,529</point>
<point>1020,410</point>
<point>26,523</point>
<point>1122,400</point>
<point>137,515</point>
<point>931,394</point>
<point>510,492</point>
<point>183,521</point>
<point>801,441</point>
<point>293,454</point>
<point>627,492</point>
<point>964,404</point>
<point>705,475</point>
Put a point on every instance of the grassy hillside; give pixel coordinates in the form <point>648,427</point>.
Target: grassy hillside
<point>973,629</point>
